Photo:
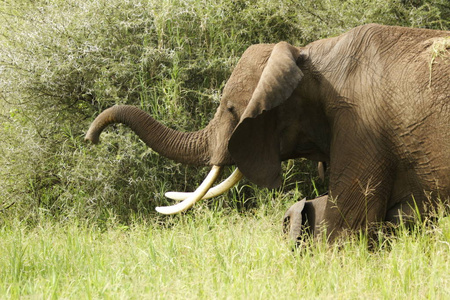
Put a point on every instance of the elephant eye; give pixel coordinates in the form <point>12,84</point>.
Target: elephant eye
<point>230,109</point>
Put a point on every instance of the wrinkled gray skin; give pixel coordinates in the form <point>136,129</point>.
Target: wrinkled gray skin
<point>372,103</point>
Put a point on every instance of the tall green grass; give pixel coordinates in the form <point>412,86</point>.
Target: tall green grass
<point>212,256</point>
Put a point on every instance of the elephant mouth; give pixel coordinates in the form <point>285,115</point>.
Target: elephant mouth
<point>311,153</point>
<point>204,191</point>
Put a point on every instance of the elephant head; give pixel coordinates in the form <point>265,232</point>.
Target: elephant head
<point>304,218</point>
<point>250,128</point>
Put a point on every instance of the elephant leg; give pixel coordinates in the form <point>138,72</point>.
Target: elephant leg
<point>402,214</point>
<point>359,191</point>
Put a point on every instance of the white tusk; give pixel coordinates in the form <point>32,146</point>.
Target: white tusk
<point>213,192</point>
<point>194,197</point>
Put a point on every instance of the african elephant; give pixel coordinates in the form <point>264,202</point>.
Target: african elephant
<point>304,217</point>
<point>307,217</point>
<point>373,103</point>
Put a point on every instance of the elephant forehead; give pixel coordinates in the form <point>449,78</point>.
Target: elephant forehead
<point>237,93</point>
<point>253,60</point>
<point>257,53</point>
<point>239,88</point>
<point>247,72</point>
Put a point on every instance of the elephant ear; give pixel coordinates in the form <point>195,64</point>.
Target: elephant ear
<point>254,144</point>
<point>293,220</point>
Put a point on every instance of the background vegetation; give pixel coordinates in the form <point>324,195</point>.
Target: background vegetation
<point>62,62</point>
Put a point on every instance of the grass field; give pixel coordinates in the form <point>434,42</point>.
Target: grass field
<point>78,222</point>
<point>212,255</point>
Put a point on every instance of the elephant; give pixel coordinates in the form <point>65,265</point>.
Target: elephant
<point>373,104</point>
<point>306,217</point>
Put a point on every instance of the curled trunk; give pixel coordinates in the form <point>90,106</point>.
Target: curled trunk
<point>183,147</point>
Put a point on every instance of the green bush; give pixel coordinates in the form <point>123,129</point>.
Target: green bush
<point>62,62</point>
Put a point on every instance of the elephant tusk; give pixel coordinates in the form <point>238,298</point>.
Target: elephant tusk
<point>321,170</point>
<point>194,197</point>
<point>213,192</point>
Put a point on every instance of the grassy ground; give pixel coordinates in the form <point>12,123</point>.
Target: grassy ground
<point>213,255</point>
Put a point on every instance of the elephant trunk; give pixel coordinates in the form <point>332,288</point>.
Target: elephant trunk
<point>184,147</point>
